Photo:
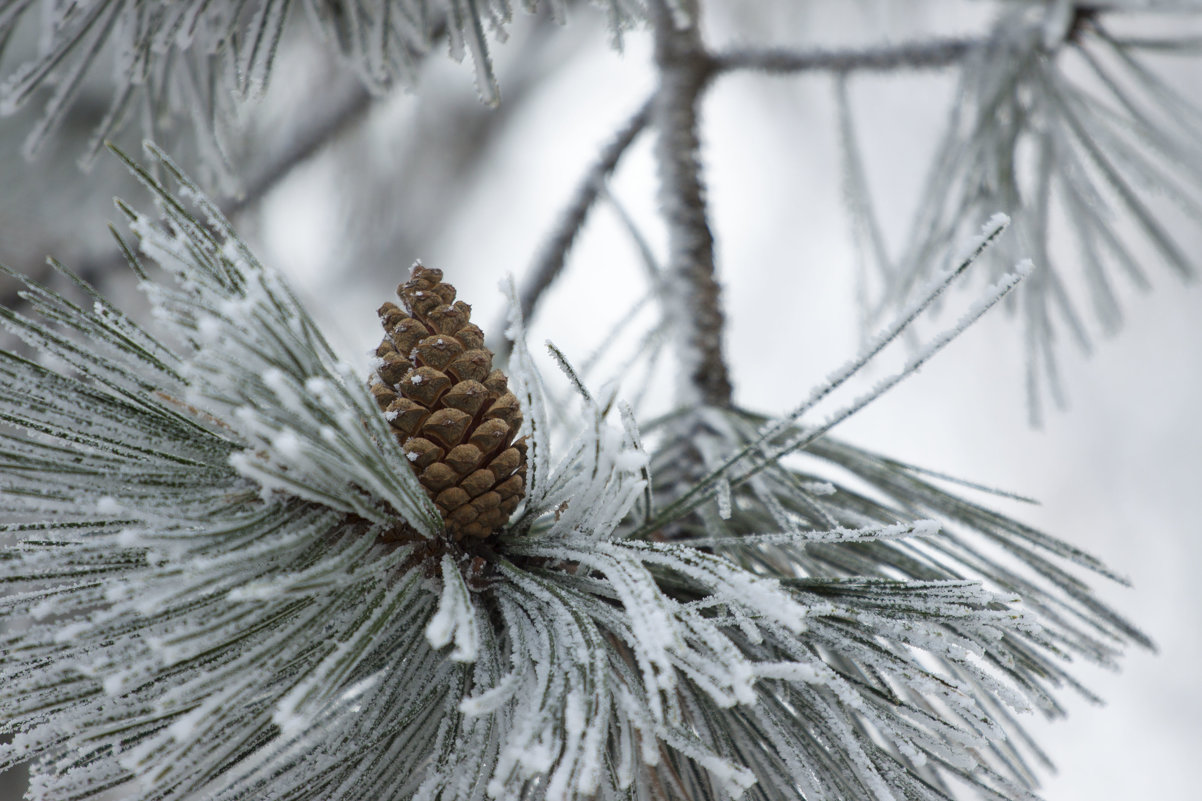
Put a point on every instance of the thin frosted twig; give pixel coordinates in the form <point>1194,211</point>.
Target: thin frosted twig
<point>695,302</point>
<point>317,130</point>
<point>1168,45</point>
<point>997,491</point>
<point>917,528</point>
<point>562,362</point>
<point>1007,283</point>
<point>989,233</point>
<point>550,262</point>
<point>866,231</point>
<point>646,255</point>
<point>703,488</point>
<point>932,54</point>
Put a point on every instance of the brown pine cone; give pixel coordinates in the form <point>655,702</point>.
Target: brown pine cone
<point>449,409</point>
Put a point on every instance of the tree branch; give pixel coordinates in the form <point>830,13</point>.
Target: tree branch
<point>911,55</point>
<point>328,125</point>
<point>694,304</point>
<point>551,260</point>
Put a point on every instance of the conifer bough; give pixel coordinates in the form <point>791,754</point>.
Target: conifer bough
<point>449,409</point>
<point>203,606</point>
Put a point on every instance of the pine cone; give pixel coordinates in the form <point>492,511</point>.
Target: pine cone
<point>449,409</point>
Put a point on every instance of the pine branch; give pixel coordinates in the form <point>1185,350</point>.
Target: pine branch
<point>694,300</point>
<point>1028,136</point>
<point>551,260</point>
<point>196,59</point>
<point>926,55</point>
<point>236,570</point>
<point>201,551</point>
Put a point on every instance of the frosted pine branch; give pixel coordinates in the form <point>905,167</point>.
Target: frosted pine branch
<point>1056,112</point>
<point>327,126</point>
<point>886,58</point>
<point>230,572</point>
<point>695,308</point>
<point>204,598</point>
<point>553,257</point>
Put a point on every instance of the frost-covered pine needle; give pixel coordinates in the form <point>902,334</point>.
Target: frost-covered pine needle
<point>1065,125</point>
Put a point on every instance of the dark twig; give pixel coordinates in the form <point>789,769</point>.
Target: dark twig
<point>911,55</point>
<point>554,255</point>
<point>694,301</point>
<point>318,131</point>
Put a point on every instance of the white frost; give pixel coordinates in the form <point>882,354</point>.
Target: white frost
<point>108,505</point>
<point>287,444</point>
<point>926,528</point>
<point>994,223</point>
<point>70,631</point>
<point>275,380</point>
<point>630,461</point>
<point>209,328</point>
<point>455,617</point>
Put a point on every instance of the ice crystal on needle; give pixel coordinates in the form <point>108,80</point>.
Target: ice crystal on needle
<point>206,596</point>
